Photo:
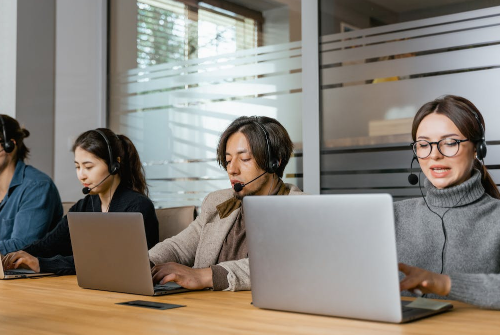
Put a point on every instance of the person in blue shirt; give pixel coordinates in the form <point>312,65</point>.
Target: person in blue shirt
<point>30,204</point>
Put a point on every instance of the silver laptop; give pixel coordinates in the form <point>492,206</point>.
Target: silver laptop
<point>330,254</point>
<point>20,273</point>
<point>111,254</point>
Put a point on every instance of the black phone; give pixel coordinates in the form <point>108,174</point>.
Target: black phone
<point>150,304</point>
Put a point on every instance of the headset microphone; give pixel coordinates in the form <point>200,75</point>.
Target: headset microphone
<point>412,178</point>
<point>238,187</point>
<point>86,190</point>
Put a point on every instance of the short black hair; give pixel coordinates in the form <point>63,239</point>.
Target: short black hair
<point>280,144</point>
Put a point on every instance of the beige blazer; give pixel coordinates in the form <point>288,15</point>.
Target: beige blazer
<point>200,243</point>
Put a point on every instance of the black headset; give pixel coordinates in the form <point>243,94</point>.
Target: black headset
<point>481,148</point>
<point>113,165</point>
<point>8,144</point>
<point>273,163</point>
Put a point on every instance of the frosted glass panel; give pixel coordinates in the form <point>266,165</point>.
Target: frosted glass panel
<point>175,105</point>
<point>374,80</point>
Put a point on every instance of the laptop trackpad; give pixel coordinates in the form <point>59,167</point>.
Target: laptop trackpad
<point>427,304</point>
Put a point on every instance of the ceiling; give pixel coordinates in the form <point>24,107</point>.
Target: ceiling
<point>260,5</point>
<point>401,6</point>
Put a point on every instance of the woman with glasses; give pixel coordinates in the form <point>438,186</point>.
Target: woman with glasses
<point>449,240</point>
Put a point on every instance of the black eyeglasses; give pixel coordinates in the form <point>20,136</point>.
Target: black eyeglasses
<point>447,147</point>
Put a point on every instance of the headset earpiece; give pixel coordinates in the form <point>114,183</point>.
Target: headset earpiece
<point>8,144</point>
<point>481,148</point>
<point>273,163</point>
<point>114,168</point>
<point>113,165</point>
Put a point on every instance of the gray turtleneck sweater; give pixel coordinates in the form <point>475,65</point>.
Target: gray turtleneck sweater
<point>472,254</point>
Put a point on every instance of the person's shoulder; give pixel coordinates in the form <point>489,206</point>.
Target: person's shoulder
<point>217,197</point>
<point>407,204</point>
<point>32,174</point>
<point>80,205</point>
<point>136,198</point>
<point>214,199</point>
<point>36,179</point>
<point>489,201</point>
<point>294,190</point>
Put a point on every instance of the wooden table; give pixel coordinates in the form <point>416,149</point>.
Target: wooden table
<point>57,305</point>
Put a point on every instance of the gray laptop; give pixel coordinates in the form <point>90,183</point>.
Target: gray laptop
<point>20,273</point>
<point>330,254</point>
<point>111,254</point>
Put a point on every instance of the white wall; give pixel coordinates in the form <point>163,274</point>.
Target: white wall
<point>8,40</point>
<point>27,73</point>
<point>80,99</point>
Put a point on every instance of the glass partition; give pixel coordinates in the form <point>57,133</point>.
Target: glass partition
<point>182,71</point>
<point>380,61</point>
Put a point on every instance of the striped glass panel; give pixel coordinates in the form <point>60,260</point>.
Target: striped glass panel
<point>374,80</point>
<point>175,113</point>
<point>197,66</point>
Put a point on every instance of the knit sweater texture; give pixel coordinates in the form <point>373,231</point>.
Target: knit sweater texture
<point>471,219</point>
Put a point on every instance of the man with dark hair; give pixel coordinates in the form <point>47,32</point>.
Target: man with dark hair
<point>212,251</point>
<point>30,204</point>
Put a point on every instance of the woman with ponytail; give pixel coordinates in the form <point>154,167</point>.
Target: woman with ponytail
<point>449,240</point>
<point>29,201</point>
<point>113,180</point>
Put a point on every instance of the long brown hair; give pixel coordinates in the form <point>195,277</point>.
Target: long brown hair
<point>461,112</point>
<point>131,171</point>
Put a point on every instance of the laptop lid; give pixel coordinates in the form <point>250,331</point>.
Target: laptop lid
<point>330,254</point>
<point>111,252</point>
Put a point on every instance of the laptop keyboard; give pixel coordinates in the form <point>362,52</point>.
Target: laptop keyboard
<point>170,286</point>
<point>407,309</point>
<point>18,272</point>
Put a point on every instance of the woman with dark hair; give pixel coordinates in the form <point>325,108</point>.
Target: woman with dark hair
<point>109,168</point>
<point>30,204</point>
<point>449,241</point>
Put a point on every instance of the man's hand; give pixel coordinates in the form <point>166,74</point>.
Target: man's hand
<point>194,279</point>
<point>423,280</point>
<point>22,260</point>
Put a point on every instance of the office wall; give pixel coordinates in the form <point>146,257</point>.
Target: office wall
<point>374,80</point>
<point>8,40</point>
<point>35,79</point>
<point>27,73</point>
<point>80,72</point>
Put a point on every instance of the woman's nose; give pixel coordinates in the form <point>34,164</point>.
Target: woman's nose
<point>435,153</point>
<point>81,175</point>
